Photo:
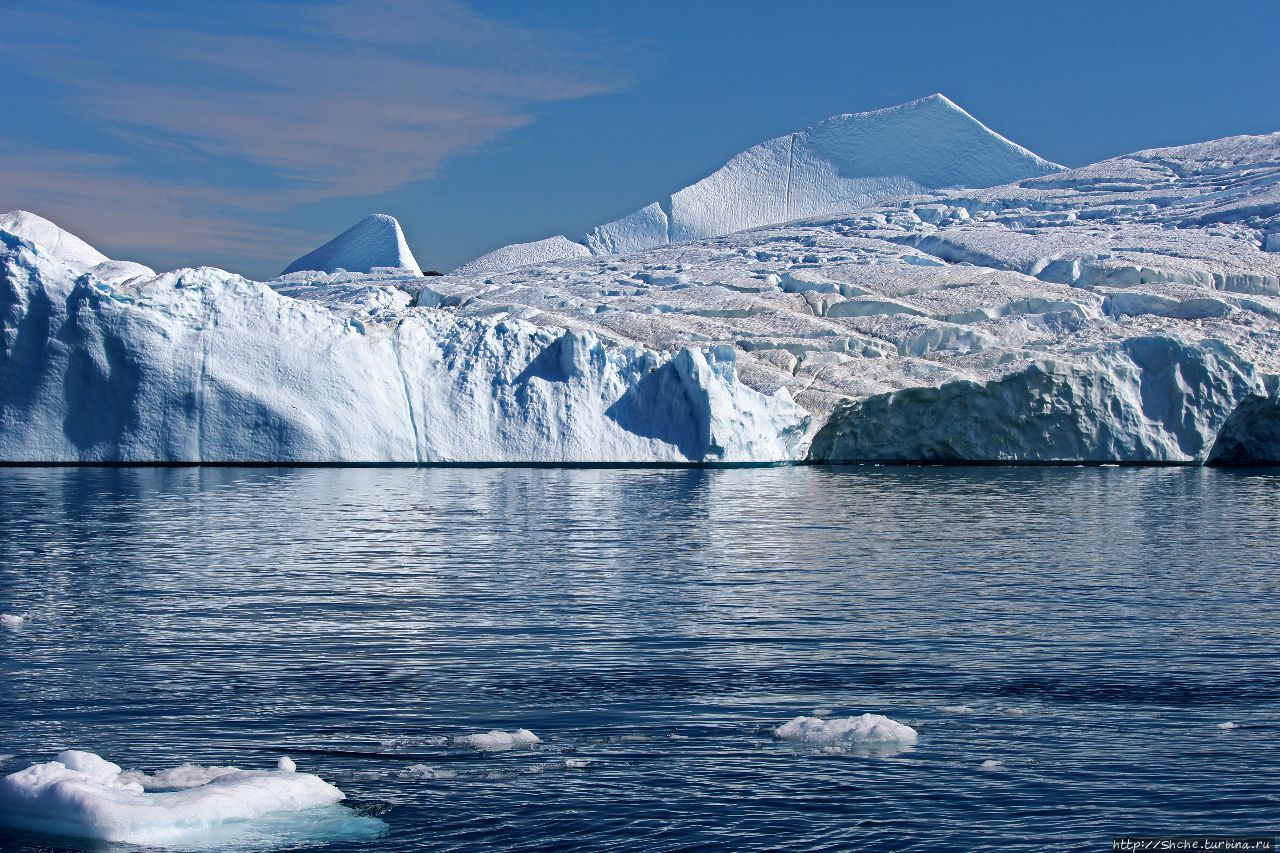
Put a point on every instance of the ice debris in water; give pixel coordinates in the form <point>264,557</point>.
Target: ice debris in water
<point>575,763</point>
<point>822,712</point>
<point>286,764</point>
<point>956,709</point>
<point>423,771</point>
<point>865,729</point>
<point>992,764</point>
<point>1228,726</point>
<point>500,741</point>
<point>12,620</point>
<point>82,795</point>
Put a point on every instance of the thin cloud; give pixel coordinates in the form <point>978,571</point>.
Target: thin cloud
<point>313,102</point>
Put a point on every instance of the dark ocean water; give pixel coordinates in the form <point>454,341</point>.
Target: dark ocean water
<point>658,624</point>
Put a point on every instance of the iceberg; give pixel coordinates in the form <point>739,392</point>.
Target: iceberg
<point>82,795</point>
<point>372,243</point>
<point>1124,312</point>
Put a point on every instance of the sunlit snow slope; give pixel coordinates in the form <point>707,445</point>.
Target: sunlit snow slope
<point>844,162</point>
<point>1127,311</point>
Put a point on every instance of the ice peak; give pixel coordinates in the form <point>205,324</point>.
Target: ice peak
<point>58,242</point>
<point>375,241</point>
<point>840,164</point>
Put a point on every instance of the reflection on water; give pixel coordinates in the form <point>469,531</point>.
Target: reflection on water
<point>657,624</point>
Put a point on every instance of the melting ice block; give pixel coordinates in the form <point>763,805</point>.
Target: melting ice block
<point>82,795</point>
<point>500,741</point>
<point>864,729</point>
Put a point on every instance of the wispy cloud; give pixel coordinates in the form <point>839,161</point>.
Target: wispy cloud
<point>218,123</point>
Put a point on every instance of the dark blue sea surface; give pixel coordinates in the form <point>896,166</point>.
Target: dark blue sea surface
<point>1100,623</point>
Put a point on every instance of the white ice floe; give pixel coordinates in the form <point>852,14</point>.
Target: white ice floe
<point>500,741</point>
<point>822,712</point>
<point>12,620</point>
<point>82,795</point>
<point>956,709</point>
<point>1228,726</point>
<point>864,729</point>
<point>575,763</point>
<point>424,771</point>
<point>992,764</point>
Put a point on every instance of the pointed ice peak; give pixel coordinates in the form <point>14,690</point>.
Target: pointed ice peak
<point>61,244</point>
<point>840,164</point>
<point>932,140</point>
<point>375,241</point>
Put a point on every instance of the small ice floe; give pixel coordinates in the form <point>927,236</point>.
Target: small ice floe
<point>822,712</point>
<point>992,764</point>
<point>575,763</point>
<point>1228,726</point>
<point>500,741</point>
<point>423,771</point>
<point>956,709</point>
<point>13,621</point>
<point>868,730</point>
<point>82,795</point>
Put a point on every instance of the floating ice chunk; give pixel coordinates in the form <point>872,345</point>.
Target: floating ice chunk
<point>992,764</point>
<point>82,795</point>
<point>956,709</point>
<point>866,729</point>
<point>423,771</point>
<point>12,620</point>
<point>500,741</point>
<point>1228,726</point>
<point>286,764</point>
<point>822,712</point>
<point>575,763</point>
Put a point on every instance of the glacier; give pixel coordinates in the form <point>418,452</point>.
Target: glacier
<point>1126,311</point>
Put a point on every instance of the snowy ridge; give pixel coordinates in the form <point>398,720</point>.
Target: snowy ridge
<point>1128,311</point>
<point>373,242</point>
<point>843,163</point>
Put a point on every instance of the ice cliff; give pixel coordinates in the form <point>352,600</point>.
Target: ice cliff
<point>1127,311</point>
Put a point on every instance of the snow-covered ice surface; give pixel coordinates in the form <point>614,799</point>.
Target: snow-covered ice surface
<point>1127,311</point>
<point>372,243</point>
<point>12,620</point>
<point>82,795</point>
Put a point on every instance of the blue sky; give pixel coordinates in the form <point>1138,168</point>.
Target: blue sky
<point>245,132</point>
